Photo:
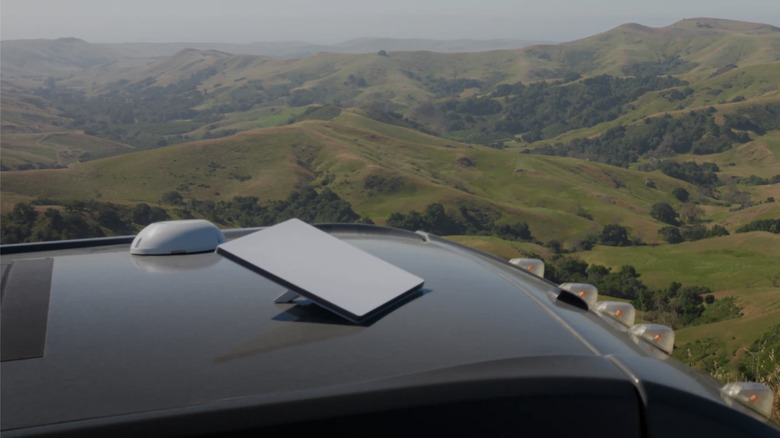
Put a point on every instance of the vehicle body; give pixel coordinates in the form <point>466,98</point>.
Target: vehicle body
<point>194,344</point>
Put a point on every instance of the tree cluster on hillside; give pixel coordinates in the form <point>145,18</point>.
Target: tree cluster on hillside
<point>83,219</point>
<point>702,175</point>
<point>694,132</point>
<point>127,103</point>
<point>757,118</point>
<point>685,224</point>
<point>770,225</point>
<point>754,180</point>
<point>442,87</point>
<point>691,233</point>
<point>667,65</point>
<point>616,235</point>
<point>610,235</point>
<point>678,306</point>
<point>467,219</point>
<point>376,184</point>
<point>543,110</point>
<point>675,306</point>
<point>75,220</point>
<point>623,284</point>
<point>305,204</point>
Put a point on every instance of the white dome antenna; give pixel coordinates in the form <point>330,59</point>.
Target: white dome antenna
<point>177,237</point>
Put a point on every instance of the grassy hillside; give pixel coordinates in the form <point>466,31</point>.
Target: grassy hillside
<point>739,261</point>
<point>743,266</point>
<point>23,112</point>
<point>38,59</point>
<point>56,149</point>
<point>693,45</point>
<point>760,309</point>
<point>545,192</point>
<point>208,93</point>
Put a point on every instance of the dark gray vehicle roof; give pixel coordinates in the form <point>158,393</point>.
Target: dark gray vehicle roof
<point>131,339</point>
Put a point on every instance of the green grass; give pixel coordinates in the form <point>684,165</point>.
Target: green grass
<point>146,175</point>
<point>760,308</point>
<point>736,262</point>
<point>760,157</point>
<point>260,118</point>
<point>544,192</point>
<point>57,148</point>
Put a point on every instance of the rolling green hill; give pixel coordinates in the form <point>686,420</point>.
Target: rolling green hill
<point>724,263</point>
<point>57,149</point>
<point>216,125</point>
<point>39,59</point>
<point>699,45</point>
<point>547,193</point>
<point>197,94</point>
<point>543,191</point>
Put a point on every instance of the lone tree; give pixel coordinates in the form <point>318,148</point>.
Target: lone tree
<point>614,235</point>
<point>671,234</point>
<point>664,213</point>
<point>681,194</point>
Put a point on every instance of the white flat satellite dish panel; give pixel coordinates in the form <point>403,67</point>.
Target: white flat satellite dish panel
<point>330,272</point>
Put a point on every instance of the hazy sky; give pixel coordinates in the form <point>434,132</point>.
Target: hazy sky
<point>329,21</point>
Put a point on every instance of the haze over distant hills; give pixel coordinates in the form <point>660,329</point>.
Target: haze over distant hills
<point>286,49</point>
<point>298,49</point>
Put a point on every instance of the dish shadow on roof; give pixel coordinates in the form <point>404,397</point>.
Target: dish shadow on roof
<point>313,324</point>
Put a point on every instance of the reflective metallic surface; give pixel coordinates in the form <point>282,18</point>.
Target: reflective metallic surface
<point>197,341</point>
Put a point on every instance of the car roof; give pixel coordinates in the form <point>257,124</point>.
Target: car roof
<point>130,338</point>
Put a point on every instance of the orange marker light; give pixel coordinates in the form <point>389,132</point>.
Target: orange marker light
<point>582,294</point>
<point>657,338</point>
<point>753,398</point>
<point>618,313</point>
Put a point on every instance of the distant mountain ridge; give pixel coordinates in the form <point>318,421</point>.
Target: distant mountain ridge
<point>58,57</point>
<point>698,43</point>
<point>462,95</point>
<point>281,49</point>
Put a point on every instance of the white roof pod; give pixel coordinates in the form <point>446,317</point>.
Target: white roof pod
<point>535,266</point>
<point>624,313</point>
<point>586,292</point>
<point>657,335</point>
<point>753,395</point>
<point>177,237</point>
